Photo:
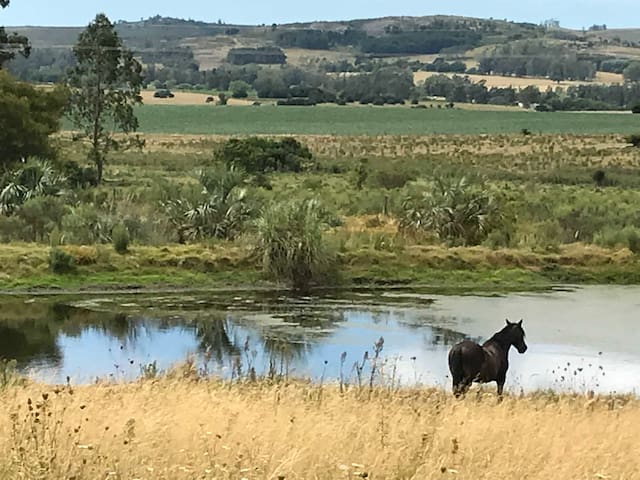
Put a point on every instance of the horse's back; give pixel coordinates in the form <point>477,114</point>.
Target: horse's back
<point>466,358</point>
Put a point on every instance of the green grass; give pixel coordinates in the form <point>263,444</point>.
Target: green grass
<point>365,120</point>
<point>473,270</point>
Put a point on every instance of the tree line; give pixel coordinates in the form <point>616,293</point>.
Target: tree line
<point>580,97</point>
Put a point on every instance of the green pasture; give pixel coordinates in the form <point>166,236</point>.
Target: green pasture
<point>370,120</point>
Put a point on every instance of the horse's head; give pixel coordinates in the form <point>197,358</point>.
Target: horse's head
<point>516,335</point>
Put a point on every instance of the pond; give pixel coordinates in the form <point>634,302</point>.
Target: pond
<point>579,339</point>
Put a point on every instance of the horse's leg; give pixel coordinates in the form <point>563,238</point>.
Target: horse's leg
<point>467,385</point>
<point>458,386</point>
<point>500,381</point>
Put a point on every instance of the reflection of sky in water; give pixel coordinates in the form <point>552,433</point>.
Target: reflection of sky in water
<point>94,354</point>
<point>415,349</point>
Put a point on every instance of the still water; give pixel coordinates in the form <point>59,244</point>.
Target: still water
<point>579,340</point>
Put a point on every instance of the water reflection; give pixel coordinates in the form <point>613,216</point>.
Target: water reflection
<point>88,338</point>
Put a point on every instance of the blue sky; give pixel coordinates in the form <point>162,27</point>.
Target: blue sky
<point>571,13</point>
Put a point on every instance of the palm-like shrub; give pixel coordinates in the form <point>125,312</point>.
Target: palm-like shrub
<point>34,179</point>
<point>221,211</point>
<point>458,211</point>
<point>292,245</point>
<point>85,224</point>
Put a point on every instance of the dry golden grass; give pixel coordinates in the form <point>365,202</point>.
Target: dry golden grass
<point>608,77</point>
<point>499,81</point>
<point>179,428</point>
<point>190,98</point>
<point>509,152</point>
<point>181,98</point>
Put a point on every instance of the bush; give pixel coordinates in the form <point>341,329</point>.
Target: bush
<point>634,140</point>
<point>458,211</point>
<point>635,108</point>
<point>222,99</point>
<point>262,155</point>
<point>13,229</point>
<point>628,237</point>
<point>292,245</point>
<point>79,177</point>
<point>34,179</point>
<point>221,210</point>
<point>391,179</point>
<point>120,237</point>
<point>239,89</point>
<point>599,177</point>
<point>86,225</point>
<point>361,173</point>
<point>163,93</point>
<point>41,215</point>
<point>296,102</point>
<point>60,262</point>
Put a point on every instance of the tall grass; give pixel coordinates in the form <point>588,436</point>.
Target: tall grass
<point>179,427</point>
<point>291,243</point>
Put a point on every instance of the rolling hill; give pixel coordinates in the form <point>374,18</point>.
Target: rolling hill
<point>188,45</point>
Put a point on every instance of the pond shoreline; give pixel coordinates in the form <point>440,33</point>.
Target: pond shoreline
<point>24,269</point>
<point>275,288</point>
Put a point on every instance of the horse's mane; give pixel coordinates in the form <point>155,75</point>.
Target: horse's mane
<point>501,336</point>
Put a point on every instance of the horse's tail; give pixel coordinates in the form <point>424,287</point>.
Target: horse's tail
<point>455,363</point>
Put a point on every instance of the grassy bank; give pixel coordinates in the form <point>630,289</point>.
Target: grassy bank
<point>227,265</point>
<point>566,212</point>
<point>178,427</point>
<point>366,120</point>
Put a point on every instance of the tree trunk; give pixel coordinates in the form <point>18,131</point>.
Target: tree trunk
<point>99,166</point>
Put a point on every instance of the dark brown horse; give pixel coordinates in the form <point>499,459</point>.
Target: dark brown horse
<point>470,362</point>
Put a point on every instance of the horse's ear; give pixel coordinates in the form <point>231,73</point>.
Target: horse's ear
<point>520,323</point>
<point>508,322</point>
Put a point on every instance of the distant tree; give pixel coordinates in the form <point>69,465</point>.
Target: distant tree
<point>105,88</point>
<point>263,55</point>
<point>262,155</point>
<point>10,44</point>
<point>634,140</point>
<point>556,72</point>
<point>599,177</point>
<point>632,72</point>
<point>239,89</point>
<point>270,84</point>
<point>28,116</point>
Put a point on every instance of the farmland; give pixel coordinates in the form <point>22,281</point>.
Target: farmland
<point>365,120</point>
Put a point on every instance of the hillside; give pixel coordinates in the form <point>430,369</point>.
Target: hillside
<point>377,37</point>
<point>177,52</point>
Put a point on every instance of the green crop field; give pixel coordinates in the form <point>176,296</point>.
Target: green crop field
<point>359,120</point>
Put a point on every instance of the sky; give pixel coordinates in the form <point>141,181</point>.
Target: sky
<point>570,13</point>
